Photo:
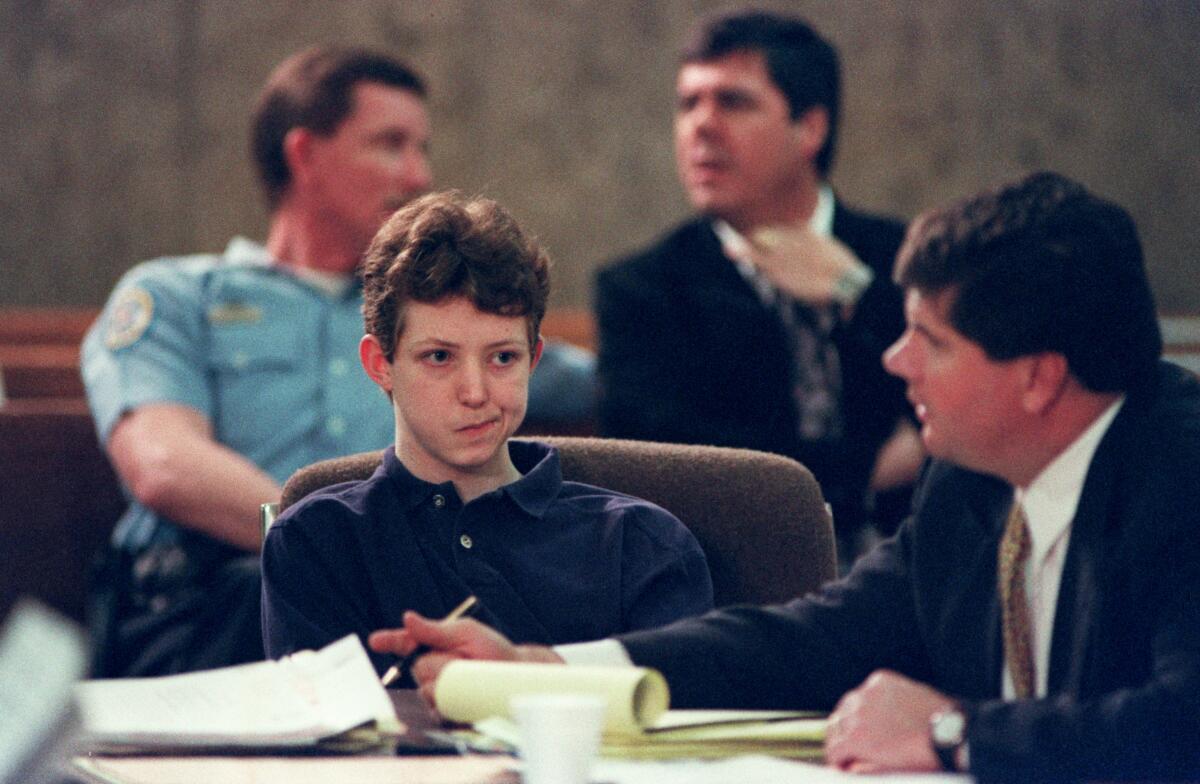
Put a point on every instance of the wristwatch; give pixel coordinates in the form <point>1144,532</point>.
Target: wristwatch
<point>851,285</point>
<point>948,735</point>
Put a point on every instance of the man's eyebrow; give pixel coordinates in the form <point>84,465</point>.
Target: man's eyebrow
<point>398,134</point>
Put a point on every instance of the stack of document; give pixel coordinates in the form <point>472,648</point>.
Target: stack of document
<point>298,701</point>
<point>638,723</point>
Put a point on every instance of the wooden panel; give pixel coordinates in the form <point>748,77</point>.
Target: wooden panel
<point>66,326</point>
<point>41,370</point>
<point>45,325</point>
<point>35,382</point>
<point>60,501</point>
<point>571,325</point>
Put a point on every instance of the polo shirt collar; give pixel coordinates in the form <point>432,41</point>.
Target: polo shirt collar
<point>412,491</point>
<point>541,476</point>
<point>541,479</point>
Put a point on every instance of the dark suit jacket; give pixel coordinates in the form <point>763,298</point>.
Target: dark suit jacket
<point>689,354</point>
<point>1124,676</point>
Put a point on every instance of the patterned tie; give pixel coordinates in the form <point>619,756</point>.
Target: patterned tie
<point>816,371</point>
<point>1018,648</point>
<point>817,382</point>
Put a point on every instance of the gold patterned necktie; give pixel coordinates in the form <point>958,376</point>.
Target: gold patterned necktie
<point>1018,647</point>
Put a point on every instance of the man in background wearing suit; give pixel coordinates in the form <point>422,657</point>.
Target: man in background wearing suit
<point>759,324</point>
<point>1038,617</point>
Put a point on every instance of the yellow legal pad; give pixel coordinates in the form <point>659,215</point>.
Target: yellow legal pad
<point>637,723</point>
<point>707,734</point>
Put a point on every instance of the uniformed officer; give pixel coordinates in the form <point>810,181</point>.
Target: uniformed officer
<point>213,377</point>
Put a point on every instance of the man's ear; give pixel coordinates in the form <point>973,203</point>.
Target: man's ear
<point>1046,380</point>
<point>297,152</point>
<point>377,366</point>
<point>536,354</point>
<point>811,129</point>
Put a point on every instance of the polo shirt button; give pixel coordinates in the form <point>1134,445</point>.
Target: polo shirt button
<point>466,542</point>
<point>439,501</point>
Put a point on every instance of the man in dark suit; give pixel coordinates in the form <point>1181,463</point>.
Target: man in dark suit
<point>760,323</point>
<point>1038,617</point>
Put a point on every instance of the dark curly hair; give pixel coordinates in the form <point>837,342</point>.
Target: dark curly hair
<point>1037,265</point>
<point>446,245</point>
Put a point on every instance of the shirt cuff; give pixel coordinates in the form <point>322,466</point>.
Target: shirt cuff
<point>601,653</point>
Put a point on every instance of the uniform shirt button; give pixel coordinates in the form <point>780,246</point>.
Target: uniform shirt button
<point>240,360</point>
<point>336,425</point>
<point>466,542</point>
<point>439,501</point>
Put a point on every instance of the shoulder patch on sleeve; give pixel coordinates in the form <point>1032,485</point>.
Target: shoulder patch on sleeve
<point>129,317</point>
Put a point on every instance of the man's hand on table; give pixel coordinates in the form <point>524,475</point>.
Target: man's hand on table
<point>883,725</point>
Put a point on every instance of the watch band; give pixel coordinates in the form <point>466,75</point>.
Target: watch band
<point>852,283</point>
<point>947,736</point>
<point>946,756</point>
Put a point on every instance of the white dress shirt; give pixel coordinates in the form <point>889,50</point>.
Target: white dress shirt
<point>1050,502</point>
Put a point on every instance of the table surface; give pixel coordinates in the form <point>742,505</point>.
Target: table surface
<point>401,761</point>
<point>386,765</point>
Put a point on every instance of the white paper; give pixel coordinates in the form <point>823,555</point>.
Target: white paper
<point>42,655</point>
<point>296,700</point>
<point>755,768</point>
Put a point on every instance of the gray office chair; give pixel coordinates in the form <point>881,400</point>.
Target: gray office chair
<point>760,518</point>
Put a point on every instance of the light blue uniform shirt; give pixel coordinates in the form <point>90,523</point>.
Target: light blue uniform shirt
<point>269,359</point>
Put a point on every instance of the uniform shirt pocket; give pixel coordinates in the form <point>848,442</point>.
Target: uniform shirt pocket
<point>261,384</point>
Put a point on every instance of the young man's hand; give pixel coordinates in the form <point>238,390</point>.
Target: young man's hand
<point>450,640</point>
<point>883,725</point>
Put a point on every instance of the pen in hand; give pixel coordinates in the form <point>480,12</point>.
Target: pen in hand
<point>396,670</point>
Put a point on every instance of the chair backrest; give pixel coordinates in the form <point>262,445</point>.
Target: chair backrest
<point>760,518</point>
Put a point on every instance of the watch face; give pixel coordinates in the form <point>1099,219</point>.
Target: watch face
<point>948,727</point>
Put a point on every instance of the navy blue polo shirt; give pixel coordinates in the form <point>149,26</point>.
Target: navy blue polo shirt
<point>551,561</point>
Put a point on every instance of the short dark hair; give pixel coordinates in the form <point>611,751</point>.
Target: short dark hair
<point>802,64</point>
<point>1037,265</point>
<point>446,245</point>
<point>314,89</point>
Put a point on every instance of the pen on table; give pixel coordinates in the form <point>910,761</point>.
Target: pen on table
<point>396,670</point>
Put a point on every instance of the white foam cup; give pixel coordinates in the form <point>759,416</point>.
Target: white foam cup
<point>560,735</point>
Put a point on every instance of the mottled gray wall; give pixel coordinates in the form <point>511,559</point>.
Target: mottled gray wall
<point>123,124</point>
